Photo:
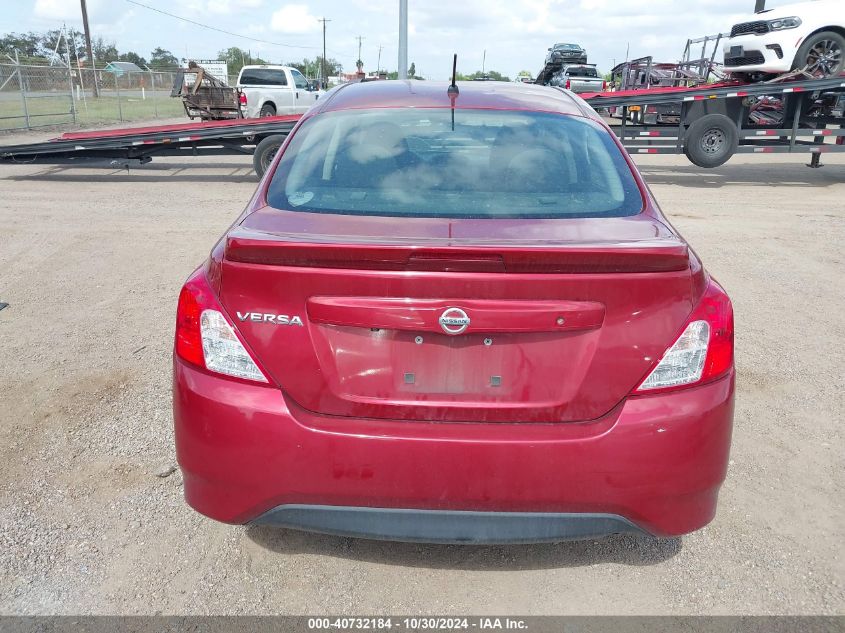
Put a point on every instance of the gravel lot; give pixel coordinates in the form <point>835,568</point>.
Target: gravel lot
<point>91,262</point>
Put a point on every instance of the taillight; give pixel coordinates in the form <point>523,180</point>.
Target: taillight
<point>568,84</point>
<point>243,99</point>
<point>705,349</point>
<point>206,338</point>
<point>603,86</point>
<point>188,337</point>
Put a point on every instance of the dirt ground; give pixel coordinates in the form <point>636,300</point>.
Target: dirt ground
<point>91,262</point>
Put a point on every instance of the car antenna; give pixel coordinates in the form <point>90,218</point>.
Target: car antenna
<point>453,90</point>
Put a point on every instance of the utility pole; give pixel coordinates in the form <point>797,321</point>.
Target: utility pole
<point>323,75</point>
<point>360,62</point>
<point>378,70</point>
<point>403,39</point>
<point>89,49</point>
<point>484,63</point>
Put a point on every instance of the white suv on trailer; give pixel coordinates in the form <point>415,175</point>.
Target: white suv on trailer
<point>808,35</point>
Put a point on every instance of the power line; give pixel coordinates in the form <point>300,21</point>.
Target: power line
<point>213,28</point>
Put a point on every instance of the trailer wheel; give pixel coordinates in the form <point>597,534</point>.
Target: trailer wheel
<point>265,152</point>
<point>711,141</point>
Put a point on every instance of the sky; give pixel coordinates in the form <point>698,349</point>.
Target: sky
<point>514,33</point>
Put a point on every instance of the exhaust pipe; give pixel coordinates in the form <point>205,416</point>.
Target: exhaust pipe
<point>761,6</point>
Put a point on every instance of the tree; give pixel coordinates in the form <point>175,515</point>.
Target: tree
<point>306,67</point>
<point>314,68</point>
<point>134,58</point>
<point>236,58</point>
<point>491,75</point>
<point>412,71</point>
<point>57,42</point>
<point>333,67</point>
<point>104,52</point>
<point>43,47</point>
<point>161,58</point>
<point>26,44</point>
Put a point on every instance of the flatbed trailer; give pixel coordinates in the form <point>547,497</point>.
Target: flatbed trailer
<point>133,147</point>
<point>714,124</point>
<point>719,120</point>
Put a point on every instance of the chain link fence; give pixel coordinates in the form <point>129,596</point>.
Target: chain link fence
<point>40,96</point>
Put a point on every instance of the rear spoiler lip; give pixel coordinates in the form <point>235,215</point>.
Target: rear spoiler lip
<point>647,256</point>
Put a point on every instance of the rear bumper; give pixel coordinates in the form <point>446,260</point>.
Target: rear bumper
<point>655,463</point>
<point>581,88</point>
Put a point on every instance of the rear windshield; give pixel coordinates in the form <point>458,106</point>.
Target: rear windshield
<point>582,72</point>
<point>493,164</point>
<point>263,77</point>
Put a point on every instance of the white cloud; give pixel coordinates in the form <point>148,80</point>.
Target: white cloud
<point>101,11</point>
<point>294,18</point>
<point>229,6</point>
<point>219,6</point>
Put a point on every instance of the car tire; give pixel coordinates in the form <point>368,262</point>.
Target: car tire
<point>265,152</point>
<point>828,44</point>
<point>711,141</point>
<point>268,109</point>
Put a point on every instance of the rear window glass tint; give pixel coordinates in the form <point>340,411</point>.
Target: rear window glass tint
<point>582,72</point>
<point>494,164</point>
<point>263,77</point>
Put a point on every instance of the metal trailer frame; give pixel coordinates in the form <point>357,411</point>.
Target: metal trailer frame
<point>643,74</point>
<point>705,65</point>
<point>134,147</point>
<point>804,128</point>
<point>809,131</point>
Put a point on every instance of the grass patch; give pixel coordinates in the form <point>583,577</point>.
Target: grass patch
<point>56,110</point>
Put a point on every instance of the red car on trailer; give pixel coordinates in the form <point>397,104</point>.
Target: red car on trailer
<point>454,317</point>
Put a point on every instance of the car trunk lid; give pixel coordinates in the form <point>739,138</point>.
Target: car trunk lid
<point>551,321</point>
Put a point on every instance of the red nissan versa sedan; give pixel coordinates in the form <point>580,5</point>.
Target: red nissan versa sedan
<point>454,320</point>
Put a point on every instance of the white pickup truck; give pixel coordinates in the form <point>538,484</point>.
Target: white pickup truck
<point>274,91</point>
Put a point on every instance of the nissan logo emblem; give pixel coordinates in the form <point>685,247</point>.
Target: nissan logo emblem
<point>454,321</point>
